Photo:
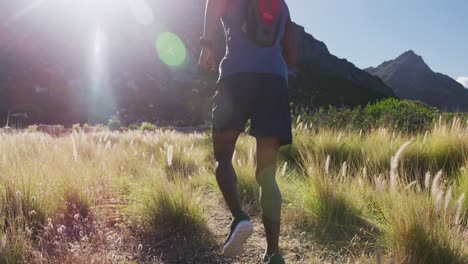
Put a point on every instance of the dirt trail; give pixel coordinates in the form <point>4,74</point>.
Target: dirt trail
<point>218,221</point>
<point>297,249</point>
<point>116,240</point>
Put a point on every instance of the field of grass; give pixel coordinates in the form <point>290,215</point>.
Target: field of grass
<point>350,196</point>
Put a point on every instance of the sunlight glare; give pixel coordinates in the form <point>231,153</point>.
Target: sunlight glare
<point>141,11</point>
<point>98,42</point>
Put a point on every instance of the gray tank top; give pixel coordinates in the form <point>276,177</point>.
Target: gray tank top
<point>243,56</point>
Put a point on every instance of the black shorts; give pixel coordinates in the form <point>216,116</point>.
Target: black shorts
<point>262,98</point>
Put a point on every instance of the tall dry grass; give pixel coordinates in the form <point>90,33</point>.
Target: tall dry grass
<point>339,186</point>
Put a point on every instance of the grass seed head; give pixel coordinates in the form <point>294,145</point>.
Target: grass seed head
<point>409,186</point>
<point>283,170</point>
<point>327,165</point>
<point>344,169</point>
<point>436,184</point>
<point>438,202</point>
<point>75,150</point>
<point>448,198</point>
<point>170,153</point>
<point>394,165</point>
<point>458,209</point>
<point>427,180</point>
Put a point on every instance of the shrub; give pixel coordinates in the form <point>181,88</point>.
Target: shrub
<point>401,114</point>
<point>146,126</point>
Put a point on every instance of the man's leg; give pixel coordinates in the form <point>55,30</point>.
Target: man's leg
<point>270,195</point>
<point>224,144</point>
<point>241,227</point>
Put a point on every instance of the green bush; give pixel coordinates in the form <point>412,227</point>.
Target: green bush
<point>146,126</point>
<point>404,115</point>
<point>401,114</point>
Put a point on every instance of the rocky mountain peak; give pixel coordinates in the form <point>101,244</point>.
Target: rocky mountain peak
<point>411,60</point>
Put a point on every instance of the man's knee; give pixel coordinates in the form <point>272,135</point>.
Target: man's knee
<point>266,177</point>
<point>223,164</point>
<point>270,194</point>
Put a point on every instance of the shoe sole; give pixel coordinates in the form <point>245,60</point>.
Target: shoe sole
<point>235,244</point>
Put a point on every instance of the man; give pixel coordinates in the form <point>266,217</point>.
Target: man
<point>252,85</point>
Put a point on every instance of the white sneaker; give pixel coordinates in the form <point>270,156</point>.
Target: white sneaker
<point>241,230</point>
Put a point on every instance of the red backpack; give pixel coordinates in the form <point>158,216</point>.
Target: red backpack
<point>262,22</point>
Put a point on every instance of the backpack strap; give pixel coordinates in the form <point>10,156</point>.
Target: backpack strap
<point>263,21</point>
<point>269,10</point>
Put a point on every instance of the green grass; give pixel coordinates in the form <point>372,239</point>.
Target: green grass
<point>333,210</point>
<point>171,206</point>
<point>415,233</point>
<point>461,194</point>
<point>336,184</point>
<point>247,184</point>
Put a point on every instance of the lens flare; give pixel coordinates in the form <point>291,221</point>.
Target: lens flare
<point>171,50</point>
<point>101,99</point>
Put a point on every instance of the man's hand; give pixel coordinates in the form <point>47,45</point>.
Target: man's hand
<point>207,61</point>
<point>214,10</point>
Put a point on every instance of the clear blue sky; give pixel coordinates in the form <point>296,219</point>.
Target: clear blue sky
<point>368,32</point>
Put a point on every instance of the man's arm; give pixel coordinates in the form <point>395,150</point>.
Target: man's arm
<point>289,45</point>
<point>214,11</point>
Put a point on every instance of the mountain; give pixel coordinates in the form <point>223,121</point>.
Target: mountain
<point>311,50</point>
<point>48,68</point>
<point>323,79</point>
<point>411,78</point>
